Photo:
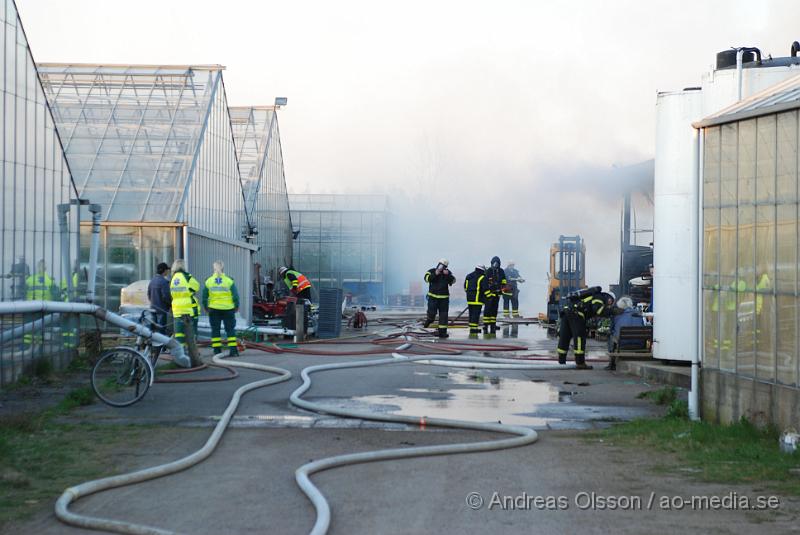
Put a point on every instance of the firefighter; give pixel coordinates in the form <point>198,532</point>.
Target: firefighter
<point>439,280</point>
<point>477,294</point>
<point>580,307</point>
<point>511,290</point>
<point>221,300</point>
<point>298,284</point>
<point>495,280</point>
<point>183,288</point>
<point>38,287</point>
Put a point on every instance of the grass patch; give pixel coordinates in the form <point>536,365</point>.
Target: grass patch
<point>736,453</point>
<point>77,397</point>
<point>662,396</point>
<point>80,363</point>
<point>169,365</point>
<point>40,457</point>
<point>43,369</point>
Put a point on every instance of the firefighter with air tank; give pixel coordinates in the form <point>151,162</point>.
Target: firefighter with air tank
<point>580,307</point>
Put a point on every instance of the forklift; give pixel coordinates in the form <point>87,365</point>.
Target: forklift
<point>567,274</point>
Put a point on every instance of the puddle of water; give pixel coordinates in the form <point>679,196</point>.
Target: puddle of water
<point>472,396</point>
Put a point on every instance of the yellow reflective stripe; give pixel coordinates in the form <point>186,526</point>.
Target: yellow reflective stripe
<point>438,296</point>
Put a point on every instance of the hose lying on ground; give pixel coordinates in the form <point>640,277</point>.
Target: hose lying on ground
<point>98,485</point>
<point>524,436</point>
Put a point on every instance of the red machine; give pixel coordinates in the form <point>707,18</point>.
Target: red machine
<point>263,309</point>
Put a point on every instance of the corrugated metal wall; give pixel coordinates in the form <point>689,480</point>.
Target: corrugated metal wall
<point>204,249</point>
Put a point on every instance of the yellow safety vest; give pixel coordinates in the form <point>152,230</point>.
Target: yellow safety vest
<point>183,287</point>
<point>64,295</point>
<point>736,288</point>
<point>763,286</point>
<point>220,296</point>
<point>39,287</point>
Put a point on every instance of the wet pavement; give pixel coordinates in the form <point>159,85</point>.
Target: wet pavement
<point>247,485</point>
<point>542,399</point>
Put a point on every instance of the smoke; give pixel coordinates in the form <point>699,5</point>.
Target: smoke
<point>516,217</point>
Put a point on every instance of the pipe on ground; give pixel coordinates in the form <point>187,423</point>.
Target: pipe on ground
<point>62,307</point>
<point>19,331</point>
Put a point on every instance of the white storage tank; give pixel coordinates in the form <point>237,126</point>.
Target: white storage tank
<point>676,286</point>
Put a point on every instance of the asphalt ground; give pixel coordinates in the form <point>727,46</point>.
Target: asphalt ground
<point>247,486</point>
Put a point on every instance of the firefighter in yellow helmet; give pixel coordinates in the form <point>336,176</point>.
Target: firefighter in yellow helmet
<point>221,299</point>
<point>183,288</point>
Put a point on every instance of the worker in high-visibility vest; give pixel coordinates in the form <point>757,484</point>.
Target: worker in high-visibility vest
<point>221,300</point>
<point>69,327</point>
<point>763,287</point>
<point>298,284</point>
<point>728,322</point>
<point>38,287</point>
<point>182,288</point>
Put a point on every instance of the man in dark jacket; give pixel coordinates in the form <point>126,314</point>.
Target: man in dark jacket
<point>439,280</point>
<point>159,295</point>
<point>495,280</point>
<point>477,294</point>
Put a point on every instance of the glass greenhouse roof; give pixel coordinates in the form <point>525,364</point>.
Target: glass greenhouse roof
<point>337,202</point>
<point>133,134</point>
<point>260,157</point>
<point>252,130</point>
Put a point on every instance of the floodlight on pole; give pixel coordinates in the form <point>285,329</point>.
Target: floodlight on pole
<point>281,101</point>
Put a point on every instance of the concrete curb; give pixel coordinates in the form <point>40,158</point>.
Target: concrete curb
<point>650,371</point>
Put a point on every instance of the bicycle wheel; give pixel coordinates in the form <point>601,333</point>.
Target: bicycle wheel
<point>121,377</point>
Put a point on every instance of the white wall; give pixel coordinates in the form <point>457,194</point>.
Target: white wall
<point>676,286</point>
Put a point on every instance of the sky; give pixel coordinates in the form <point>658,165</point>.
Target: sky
<point>493,126</point>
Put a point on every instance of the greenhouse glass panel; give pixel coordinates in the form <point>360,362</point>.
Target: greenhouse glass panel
<point>258,150</point>
<point>149,143</point>
<point>36,180</point>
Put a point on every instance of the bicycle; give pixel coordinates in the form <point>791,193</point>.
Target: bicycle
<point>122,375</point>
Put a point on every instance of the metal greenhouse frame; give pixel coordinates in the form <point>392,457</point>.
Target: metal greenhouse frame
<point>154,146</point>
<point>39,218</point>
<point>258,145</point>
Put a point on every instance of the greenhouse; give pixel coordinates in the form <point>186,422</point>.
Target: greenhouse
<point>750,258</point>
<point>154,146</point>
<point>258,147</point>
<point>342,243</point>
<point>38,237</point>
